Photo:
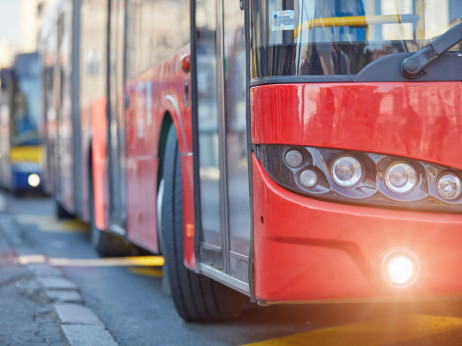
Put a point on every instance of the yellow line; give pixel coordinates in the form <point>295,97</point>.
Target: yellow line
<point>147,261</point>
<point>147,272</point>
<point>376,332</point>
<point>51,224</point>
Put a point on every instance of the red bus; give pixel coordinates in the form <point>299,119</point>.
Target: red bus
<point>288,151</point>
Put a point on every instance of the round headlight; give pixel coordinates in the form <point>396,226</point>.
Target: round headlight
<point>346,171</point>
<point>33,180</point>
<point>308,178</point>
<point>294,158</point>
<point>449,186</point>
<point>400,177</point>
<point>400,268</point>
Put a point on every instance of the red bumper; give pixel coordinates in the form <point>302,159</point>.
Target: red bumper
<point>307,249</point>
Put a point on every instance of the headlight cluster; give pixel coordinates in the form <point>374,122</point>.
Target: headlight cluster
<point>365,178</point>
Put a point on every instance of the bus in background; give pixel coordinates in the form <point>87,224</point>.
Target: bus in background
<point>284,150</point>
<point>20,116</point>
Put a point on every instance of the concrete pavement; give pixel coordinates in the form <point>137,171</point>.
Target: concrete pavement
<point>39,305</point>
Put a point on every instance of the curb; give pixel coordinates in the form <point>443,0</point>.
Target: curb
<point>79,324</point>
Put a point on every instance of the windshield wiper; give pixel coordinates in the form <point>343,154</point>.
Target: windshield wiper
<point>413,66</point>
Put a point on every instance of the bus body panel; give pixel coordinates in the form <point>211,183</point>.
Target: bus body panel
<point>100,173</point>
<point>333,250</point>
<point>307,249</point>
<point>416,120</point>
<point>187,169</point>
<point>86,125</point>
<point>156,93</point>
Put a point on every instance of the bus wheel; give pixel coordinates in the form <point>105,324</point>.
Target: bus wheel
<point>61,212</point>
<point>196,298</point>
<point>105,243</point>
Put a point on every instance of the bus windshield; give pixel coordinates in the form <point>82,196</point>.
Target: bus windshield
<point>25,100</point>
<point>340,37</point>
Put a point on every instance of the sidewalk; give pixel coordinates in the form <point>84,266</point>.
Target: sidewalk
<point>27,317</point>
<point>39,305</point>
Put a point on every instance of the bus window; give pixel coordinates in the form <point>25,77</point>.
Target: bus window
<point>340,37</point>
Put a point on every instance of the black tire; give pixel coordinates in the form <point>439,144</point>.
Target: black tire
<point>105,243</point>
<point>61,212</point>
<point>196,298</point>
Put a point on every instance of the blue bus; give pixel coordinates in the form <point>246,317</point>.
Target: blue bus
<point>20,114</point>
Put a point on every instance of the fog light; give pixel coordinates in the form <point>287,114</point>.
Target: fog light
<point>400,268</point>
<point>449,186</point>
<point>33,180</point>
<point>294,158</point>
<point>346,171</point>
<point>400,177</point>
<point>308,178</point>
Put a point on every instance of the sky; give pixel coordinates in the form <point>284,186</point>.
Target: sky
<point>9,20</point>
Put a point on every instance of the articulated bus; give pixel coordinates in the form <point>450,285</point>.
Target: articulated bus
<point>284,150</point>
<point>20,116</point>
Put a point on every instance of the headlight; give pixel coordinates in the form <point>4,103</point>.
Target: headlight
<point>449,186</point>
<point>308,178</point>
<point>346,171</point>
<point>294,158</point>
<point>363,178</point>
<point>400,177</point>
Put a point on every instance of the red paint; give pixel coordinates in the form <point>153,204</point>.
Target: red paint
<point>100,173</point>
<point>188,210</point>
<point>416,120</point>
<point>144,117</point>
<point>308,250</point>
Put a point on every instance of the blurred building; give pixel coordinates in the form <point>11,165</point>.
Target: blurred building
<point>32,13</point>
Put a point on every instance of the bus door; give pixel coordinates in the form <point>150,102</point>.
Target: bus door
<point>116,118</point>
<point>65,145</point>
<point>221,143</point>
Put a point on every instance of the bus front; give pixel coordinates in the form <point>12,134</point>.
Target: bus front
<point>357,166</point>
<point>25,114</point>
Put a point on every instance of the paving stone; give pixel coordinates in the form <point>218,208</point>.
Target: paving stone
<point>78,335</point>
<point>3,204</point>
<point>77,314</point>
<point>56,283</point>
<point>63,296</point>
<point>44,269</point>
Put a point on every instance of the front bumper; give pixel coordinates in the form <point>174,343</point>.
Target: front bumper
<point>21,174</point>
<point>311,250</point>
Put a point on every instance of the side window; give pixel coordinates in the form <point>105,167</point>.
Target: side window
<point>131,44</point>
<point>156,29</point>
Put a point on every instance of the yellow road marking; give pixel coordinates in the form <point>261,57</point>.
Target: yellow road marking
<point>375,332</point>
<point>147,272</point>
<point>49,223</point>
<point>148,261</point>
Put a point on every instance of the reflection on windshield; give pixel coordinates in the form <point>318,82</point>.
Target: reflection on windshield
<point>340,37</point>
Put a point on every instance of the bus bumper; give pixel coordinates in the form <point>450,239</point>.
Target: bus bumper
<point>26,176</point>
<point>311,250</point>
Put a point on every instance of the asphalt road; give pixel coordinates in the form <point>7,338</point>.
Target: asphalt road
<point>127,296</point>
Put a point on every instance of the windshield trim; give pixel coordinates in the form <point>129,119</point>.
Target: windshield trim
<point>384,69</point>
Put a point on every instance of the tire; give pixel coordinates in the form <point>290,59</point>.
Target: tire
<point>196,298</point>
<point>105,243</point>
<point>61,212</point>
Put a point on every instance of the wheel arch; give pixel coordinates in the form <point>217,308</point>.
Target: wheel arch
<point>167,122</point>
